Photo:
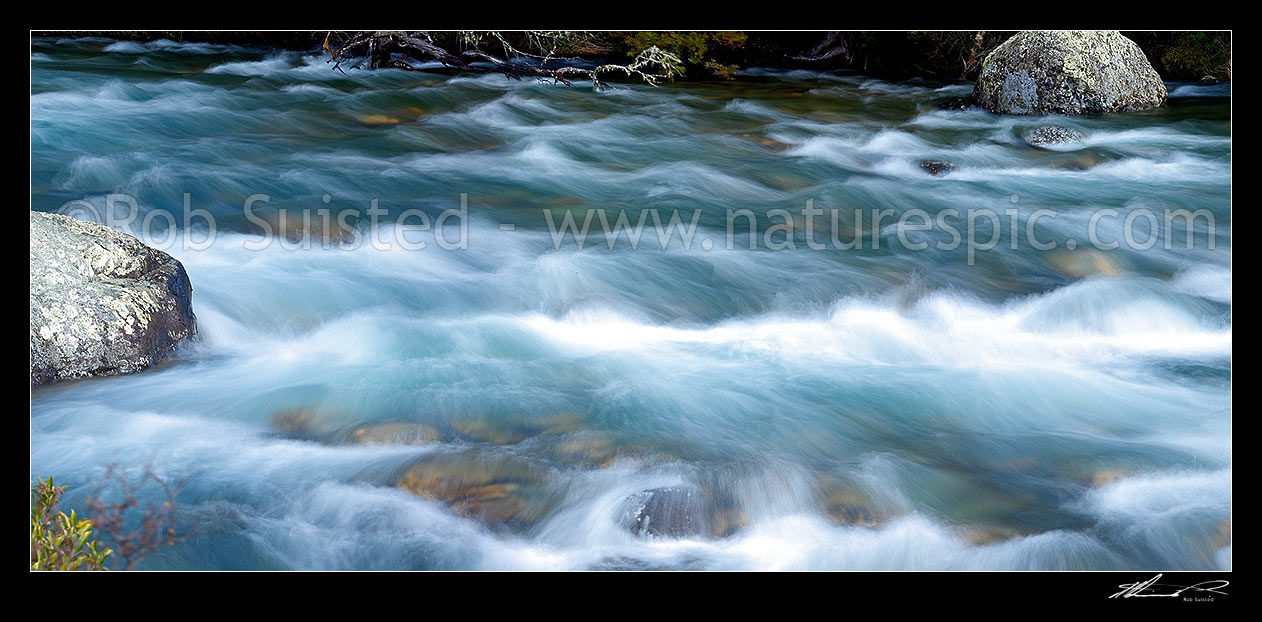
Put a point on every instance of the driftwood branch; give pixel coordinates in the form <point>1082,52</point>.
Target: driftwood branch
<point>396,49</point>
<point>834,44</point>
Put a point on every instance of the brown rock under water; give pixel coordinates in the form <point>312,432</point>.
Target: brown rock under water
<point>494,488</point>
<point>395,434</point>
<point>982,535</point>
<point>847,505</point>
<point>377,119</point>
<point>1084,262</point>
<point>293,420</point>
<point>487,431</point>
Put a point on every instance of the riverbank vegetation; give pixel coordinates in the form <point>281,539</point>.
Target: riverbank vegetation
<point>61,541</point>
<point>127,518</point>
<point>706,55</point>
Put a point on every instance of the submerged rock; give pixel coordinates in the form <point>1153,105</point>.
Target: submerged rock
<point>1052,135</point>
<point>1223,536</point>
<point>395,434</point>
<point>624,562</point>
<point>1079,160</point>
<point>724,514</point>
<point>495,488</point>
<point>377,119</point>
<point>512,430</point>
<point>102,303</point>
<point>953,103</point>
<point>707,510</point>
<point>588,449</point>
<point>1071,72</point>
<point>846,505</point>
<point>670,512</point>
<point>1104,477</point>
<point>1084,262</point>
<point>488,431</point>
<point>725,521</point>
<point>293,420</point>
<point>937,167</point>
<point>309,227</point>
<point>310,417</point>
<point>984,534</point>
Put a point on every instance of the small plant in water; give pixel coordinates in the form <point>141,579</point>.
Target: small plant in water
<point>60,541</point>
<point>131,527</point>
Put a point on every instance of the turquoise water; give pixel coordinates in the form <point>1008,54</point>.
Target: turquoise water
<point>873,408</point>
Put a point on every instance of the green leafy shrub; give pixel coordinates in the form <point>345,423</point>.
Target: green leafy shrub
<point>60,541</point>
<point>132,526</point>
<point>1196,55</point>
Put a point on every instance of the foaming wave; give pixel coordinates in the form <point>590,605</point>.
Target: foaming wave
<point>288,65</point>
<point>1202,90</point>
<point>1092,322</point>
<point>275,64</point>
<point>808,542</point>
<point>1173,517</point>
<point>145,47</point>
<point>1211,282</point>
<point>744,106</point>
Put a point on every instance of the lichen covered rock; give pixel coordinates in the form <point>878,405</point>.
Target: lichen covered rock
<point>1073,72</point>
<point>102,303</point>
<point>1051,135</point>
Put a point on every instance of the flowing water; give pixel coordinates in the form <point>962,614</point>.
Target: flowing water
<point>496,406</point>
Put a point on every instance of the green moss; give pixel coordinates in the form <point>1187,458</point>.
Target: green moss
<point>698,50</point>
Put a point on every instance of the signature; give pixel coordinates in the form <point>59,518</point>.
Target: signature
<point>1152,588</point>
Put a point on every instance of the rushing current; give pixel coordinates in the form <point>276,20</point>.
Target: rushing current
<point>506,403</point>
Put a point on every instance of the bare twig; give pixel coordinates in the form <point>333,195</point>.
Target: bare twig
<point>115,520</point>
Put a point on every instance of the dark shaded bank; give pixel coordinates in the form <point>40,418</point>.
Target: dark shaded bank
<point>1176,55</point>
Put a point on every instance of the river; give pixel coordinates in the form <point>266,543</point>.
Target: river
<point>822,408</point>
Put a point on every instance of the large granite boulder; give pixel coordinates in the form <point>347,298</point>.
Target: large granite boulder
<point>1071,72</point>
<point>102,303</point>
